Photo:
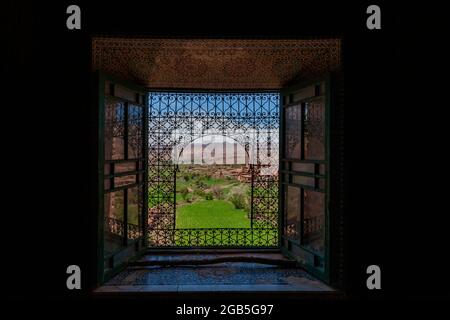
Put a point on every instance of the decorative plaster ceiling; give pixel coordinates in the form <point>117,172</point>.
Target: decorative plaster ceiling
<point>214,64</point>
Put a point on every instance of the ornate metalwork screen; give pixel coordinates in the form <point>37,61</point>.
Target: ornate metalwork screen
<point>175,121</point>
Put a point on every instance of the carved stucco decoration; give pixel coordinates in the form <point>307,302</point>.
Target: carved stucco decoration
<point>214,63</point>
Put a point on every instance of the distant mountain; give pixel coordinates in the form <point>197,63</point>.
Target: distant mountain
<point>213,153</point>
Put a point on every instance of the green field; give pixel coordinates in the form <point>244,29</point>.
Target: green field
<point>211,214</point>
<point>209,198</point>
<point>205,200</point>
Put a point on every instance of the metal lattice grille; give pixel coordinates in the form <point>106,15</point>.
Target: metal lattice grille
<point>175,121</point>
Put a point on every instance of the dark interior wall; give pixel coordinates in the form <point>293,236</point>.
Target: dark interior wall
<point>50,99</point>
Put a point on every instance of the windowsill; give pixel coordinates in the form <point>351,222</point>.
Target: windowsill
<point>218,278</point>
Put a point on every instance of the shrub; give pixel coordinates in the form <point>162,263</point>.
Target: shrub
<point>184,192</point>
<point>200,192</point>
<point>217,191</point>
<point>209,196</point>
<point>201,184</point>
<point>238,200</point>
<point>189,198</point>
